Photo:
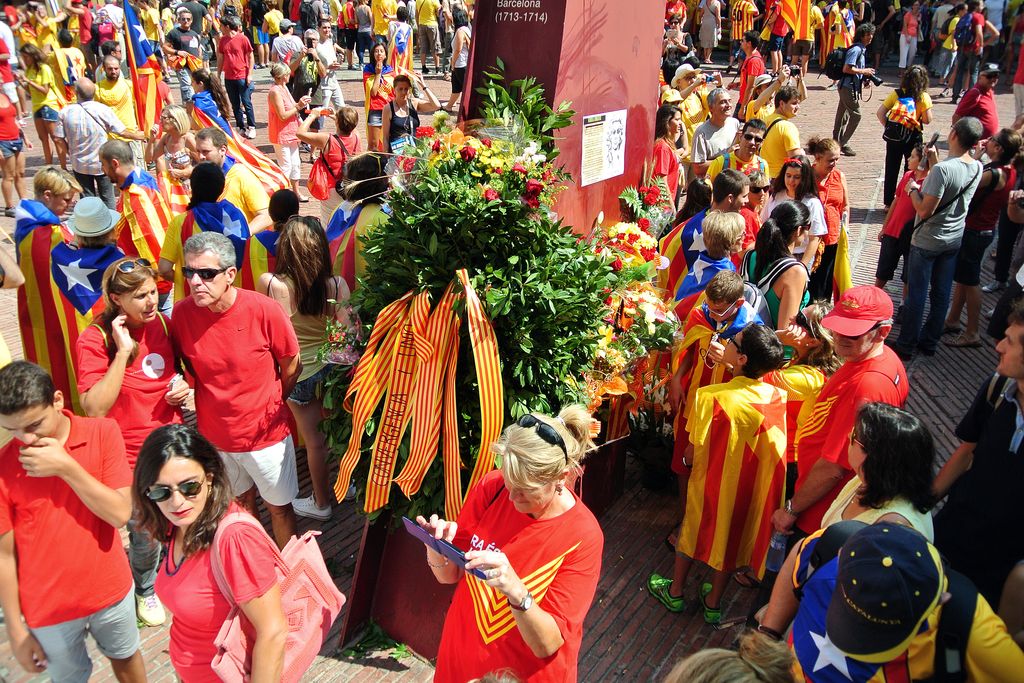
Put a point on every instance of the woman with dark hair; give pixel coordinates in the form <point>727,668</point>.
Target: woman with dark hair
<point>366,187</point>
<point>772,264</point>
<point>205,212</point>
<point>379,85</point>
<point>211,98</point>
<point>127,372</point>
<point>307,291</point>
<point>670,145</point>
<point>893,456</point>
<point>184,495</point>
<point>461,40</point>
<point>402,115</point>
<point>903,115</point>
<point>796,182</point>
<point>835,199</point>
<point>698,198</point>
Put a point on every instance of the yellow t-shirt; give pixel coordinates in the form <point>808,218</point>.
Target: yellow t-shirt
<point>43,75</point>
<point>817,18</point>
<point>764,113</point>
<point>273,19</point>
<point>172,251</point>
<point>426,12</point>
<point>150,17</point>
<point>695,111</point>
<point>923,102</point>
<point>335,11</point>
<point>46,34</point>
<point>167,20</point>
<point>780,139</point>
<point>380,9</point>
<point>118,96</point>
<point>949,43</point>
<point>244,190</point>
<point>718,165</point>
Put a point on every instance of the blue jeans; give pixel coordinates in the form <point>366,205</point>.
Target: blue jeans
<point>926,268</point>
<point>240,96</point>
<point>185,86</point>
<point>967,64</point>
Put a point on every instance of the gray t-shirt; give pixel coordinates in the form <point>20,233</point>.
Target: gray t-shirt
<point>944,230</point>
<point>710,140</point>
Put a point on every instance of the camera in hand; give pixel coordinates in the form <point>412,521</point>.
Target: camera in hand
<point>875,80</point>
<point>794,71</point>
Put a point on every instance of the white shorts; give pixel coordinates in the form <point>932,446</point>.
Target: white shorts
<point>288,158</point>
<point>271,469</point>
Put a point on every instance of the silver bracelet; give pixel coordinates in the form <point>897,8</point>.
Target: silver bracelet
<point>436,566</point>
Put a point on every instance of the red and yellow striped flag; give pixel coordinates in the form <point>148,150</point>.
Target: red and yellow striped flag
<point>742,14</point>
<point>260,257</point>
<point>842,274</point>
<point>797,14</point>
<point>739,474</point>
<point>174,191</point>
<point>144,68</point>
<point>144,219</point>
<point>670,246</point>
<point>267,172</point>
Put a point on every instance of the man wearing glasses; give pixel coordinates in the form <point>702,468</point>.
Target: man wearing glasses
<point>243,353</point>
<point>870,372</point>
<point>744,157</point>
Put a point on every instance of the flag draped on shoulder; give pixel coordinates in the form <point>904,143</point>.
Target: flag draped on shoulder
<point>342,241</point>
<point>176,193</point>
<point>220,216</point>
<point>671,278</point>
<point>144,69</point>
<point>144,219</point>
<point>400,48</point>
<point>738,480</point>
<point>260,257</point>
<point>206,115</point>
<point>704,268</point>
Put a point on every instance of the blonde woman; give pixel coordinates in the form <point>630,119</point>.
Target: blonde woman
<point>282,124</point>
<point>174,152</point>
<point>521,521</point>
<point>759,659</point>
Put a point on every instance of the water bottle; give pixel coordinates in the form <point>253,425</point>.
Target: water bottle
<point>776,552</point>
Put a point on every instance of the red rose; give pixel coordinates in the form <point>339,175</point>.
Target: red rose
<point>651,198</point>
<point>644,224</point>
<point>648,254</point>
<point>467,153</point>
<point>632,238</point>
<point>486,142</point>
<point>534,187</point>
<point>617,264</point>
<point>519,168</point>
<point>531,202</point>
<point>499,171</point>
<point>425,132</point>
<point>406,163</point>
<point>608,301</point>
<point>490,194</point>
<point>436,147</point>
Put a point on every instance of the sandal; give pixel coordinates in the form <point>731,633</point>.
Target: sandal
<point>712,615</point>
<point>659,587</point>
<point>746,579</point>
<point>962,342</point>
<point>952,329</point>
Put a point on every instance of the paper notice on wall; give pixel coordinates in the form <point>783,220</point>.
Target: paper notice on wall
<point>604,147</point>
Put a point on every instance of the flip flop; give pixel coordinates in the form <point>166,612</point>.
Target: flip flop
<point>950,329</point>
<point>961,343</point>
<point>745,579</point>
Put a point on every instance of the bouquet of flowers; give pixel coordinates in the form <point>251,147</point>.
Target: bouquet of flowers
<point>343,338</point>
<point>648,202</point>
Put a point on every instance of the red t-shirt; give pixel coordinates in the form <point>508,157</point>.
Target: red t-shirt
<point>902,211</point>
<point>826,434</point>
<point>234,356</point>
<point>140,406</point>
<point>70,562</point>
<point>982,106</point>
<point>6,75</point>
<point>351,142</point>
<point>984,210</point>
<point>558,559</point>
<point>779,26</point>
<point>235,51</point>
<point>1018,76</point>
<point>9,130</point>
<point>666,164</point>
<point>753,66</point>
<point>751,225</point>
<point>191,595</point>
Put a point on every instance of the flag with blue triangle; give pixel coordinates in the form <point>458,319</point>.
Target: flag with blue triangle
<point>78,273</point>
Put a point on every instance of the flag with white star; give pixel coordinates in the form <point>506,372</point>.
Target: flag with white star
<point>703,269</point>
<point>78,273</point>
<point>144,68</point>
<point>225,218</point>
<point>692,238</point>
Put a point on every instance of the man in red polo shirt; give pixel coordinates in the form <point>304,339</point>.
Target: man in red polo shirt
<point>241,348</point>
<point>980,102</point>
<point>236,66</point>
<point>64,481</point>
<point>871,372</point>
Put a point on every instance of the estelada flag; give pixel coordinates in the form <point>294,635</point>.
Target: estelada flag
<point>175,193</point>
<point>670,279</point>
<point>206,115</point>
<point>221,216</point>
<point>400,48</point>
<point>144,219</point>
<point>797,14</point>
<point>144,69</point>
<point>260,257</point>
<point>738,479</point>
<point>342,241</point>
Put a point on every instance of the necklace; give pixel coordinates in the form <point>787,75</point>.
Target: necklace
<point>167,560</point>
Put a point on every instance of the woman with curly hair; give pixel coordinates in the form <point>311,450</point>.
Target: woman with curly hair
<point>893,454</point>
<point>796,182</point>
<point>183,497</point>
<point>906,111</point>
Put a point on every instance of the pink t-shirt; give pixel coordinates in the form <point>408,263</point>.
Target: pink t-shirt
<point>281,131</point>
<point>189,591</point>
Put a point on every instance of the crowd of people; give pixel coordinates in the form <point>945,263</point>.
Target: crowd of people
<point>173,305</point>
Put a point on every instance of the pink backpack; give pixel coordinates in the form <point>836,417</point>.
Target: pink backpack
<point>310,599</point>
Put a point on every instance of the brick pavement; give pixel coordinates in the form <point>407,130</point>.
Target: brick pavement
<point>628,635</point>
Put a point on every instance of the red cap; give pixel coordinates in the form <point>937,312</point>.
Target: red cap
<point>858,310</point>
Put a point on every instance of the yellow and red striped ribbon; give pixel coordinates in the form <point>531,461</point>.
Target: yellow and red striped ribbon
<point>450,434</point>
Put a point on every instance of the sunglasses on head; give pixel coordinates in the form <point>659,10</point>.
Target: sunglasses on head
<point>545,432</point>
<point>750,137</point>
<point>132,264</point>
<point>205,274</point>
<point>159,493</point>
<point>803,322</point>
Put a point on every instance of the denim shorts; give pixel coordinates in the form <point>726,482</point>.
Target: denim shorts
<point>969,258</point>
<point>8,148</point>
<point>47,114</point>
<point>309,388</point>
<point>775,43</point>
<point>375,118</point>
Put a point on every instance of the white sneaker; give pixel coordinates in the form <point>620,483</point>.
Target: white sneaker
<point>250,133</point>
<point>149,610</point>
<point>307,507</point>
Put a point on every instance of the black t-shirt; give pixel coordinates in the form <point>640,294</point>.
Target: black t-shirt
<point>257,10</point>
<point>880,10</point>
<point>979,528</point>
<point>185,40</point>
<point>197,11</point>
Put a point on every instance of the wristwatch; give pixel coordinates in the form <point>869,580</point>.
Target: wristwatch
<point>789,508</point>
<point>526,604</point>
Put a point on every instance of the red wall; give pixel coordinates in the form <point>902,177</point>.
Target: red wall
<point>600,55</point>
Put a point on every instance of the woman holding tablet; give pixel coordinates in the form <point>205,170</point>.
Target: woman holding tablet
<point>540,548</point>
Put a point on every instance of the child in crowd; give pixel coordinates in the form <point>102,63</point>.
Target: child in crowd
<point>738,477</point>
<point>723,238</point>
<point>697,361</point>
<point>759,188</point>
<point>898,226</point>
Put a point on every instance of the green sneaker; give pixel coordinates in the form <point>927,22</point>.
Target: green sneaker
<point>712,615</point>
<point>658,586</point>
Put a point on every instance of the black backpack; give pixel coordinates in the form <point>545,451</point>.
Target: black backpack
<point>834,63</point>
<point>308,17</point>
<point>964,34</point>
<point>950,659</point>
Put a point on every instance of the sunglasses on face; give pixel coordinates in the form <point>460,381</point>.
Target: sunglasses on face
<point>750,137</point>
<point>160,492</point>
<point>759,189</point>
<point>720,314</point>
<point>205,274</point>
<point>545,432</point>
<point>129,266</point>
